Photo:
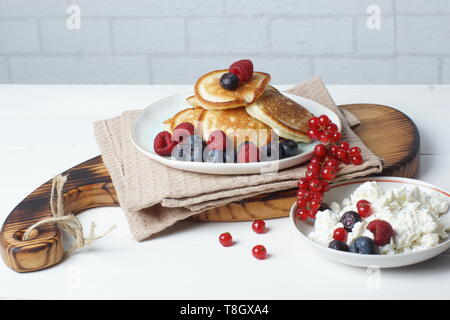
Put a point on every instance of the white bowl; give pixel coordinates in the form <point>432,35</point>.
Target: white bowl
<point>150,122</point>
<point>344,189</point>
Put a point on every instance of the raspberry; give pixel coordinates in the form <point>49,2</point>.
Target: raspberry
<point>382,231</point>
<point>248,152</point>
<point>217,140</point>
<point>163,143</point>
<point>182,131</point>
<point>243,69</point>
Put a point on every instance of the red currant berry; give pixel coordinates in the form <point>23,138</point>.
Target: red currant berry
<point>302,203</point>
<point>329,173</point>
<point>302,213</point>
<point>325,185</point>
<point>312,213</point>
<point>362,202</point>
<point>356,160</point>
<point>303,194</point>
<point>226,239</point>
<point>364,208</point>
<point>311,174</point>
<point>313,122</point>
<point>313,166</point>
<point>259,252</point>
<point>336,136</point>
<point>313,134</point>
<point>332,127</point>
<point>340,234</point>
<point>259,226</point>
<point>324,120</point>
<point>314,204</point>
<point>344,145</point>
<point>331,163</point>
<point>303,184</point>
<point>320,150</point>
<point>334,149</point>
<point>315,185</point>
<point>354,151</point>
<point>326,136</point>
<point>315,160</point>
<point>343,156</point>
<point>317,195</point>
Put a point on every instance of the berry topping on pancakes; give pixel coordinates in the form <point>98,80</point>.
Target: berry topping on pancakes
<point>243,69</point>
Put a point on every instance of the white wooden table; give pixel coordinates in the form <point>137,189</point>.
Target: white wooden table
<point>47,129</point>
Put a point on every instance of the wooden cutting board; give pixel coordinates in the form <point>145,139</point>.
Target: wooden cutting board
<point>389,133</point>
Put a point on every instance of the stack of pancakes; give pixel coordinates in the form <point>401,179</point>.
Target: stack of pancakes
<point>252,112</point>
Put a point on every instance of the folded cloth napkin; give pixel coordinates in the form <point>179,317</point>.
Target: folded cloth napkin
<point>154,196</point>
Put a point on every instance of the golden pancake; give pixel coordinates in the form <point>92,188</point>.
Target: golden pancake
<point>192,100</point>
<point>237,124</point>
<point>288,118</point>
<point>186,115</point>
<point>210,94</point>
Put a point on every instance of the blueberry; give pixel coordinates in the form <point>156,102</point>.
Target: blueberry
<point>338,245</point>
<point>349,219</point>
<point>288,148</point>
<point>324,206</point>
<point>363,245</point>
<point>269,152</point>
<point>214,156</point>
<point>229,81</point>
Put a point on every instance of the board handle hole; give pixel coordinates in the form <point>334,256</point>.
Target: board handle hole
<point>18,235</point>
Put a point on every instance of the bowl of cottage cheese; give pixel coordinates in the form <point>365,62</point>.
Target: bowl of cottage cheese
<point>418,213</point>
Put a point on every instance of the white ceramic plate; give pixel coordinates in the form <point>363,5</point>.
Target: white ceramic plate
<point>344,189</point>
<point>150,122</point>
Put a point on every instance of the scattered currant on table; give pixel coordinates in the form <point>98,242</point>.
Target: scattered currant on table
<point>259,226</point>
<point>226,239</point>
<point>324,167</point>
<point>259,252</point>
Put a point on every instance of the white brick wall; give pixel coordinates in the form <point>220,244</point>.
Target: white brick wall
<point>149,8</point>
<point>378,41</point>
<point>360,71</point>
<point>149,35</point>
<point>19,36</point>
<point>446,71</point>
<point>73,70</point>
<point>423,6</point>
<point>304,7</point>
<point>305,36</point>
<point>175,41</point>
<point>417,70</point>
<point>34,8</point>
<point>228,35</point>
<point>423,34</point>
<point>93,37</point>
<point>4,73</point>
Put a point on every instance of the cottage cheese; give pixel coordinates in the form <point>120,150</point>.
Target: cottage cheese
<point>420,219</point>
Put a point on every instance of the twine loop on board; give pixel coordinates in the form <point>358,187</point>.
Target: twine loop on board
<point>68,223</point>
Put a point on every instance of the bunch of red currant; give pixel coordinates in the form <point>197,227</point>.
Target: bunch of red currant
<point>324,165</point>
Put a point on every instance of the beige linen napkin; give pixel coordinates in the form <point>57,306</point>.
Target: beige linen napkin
<point>154,196</point>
